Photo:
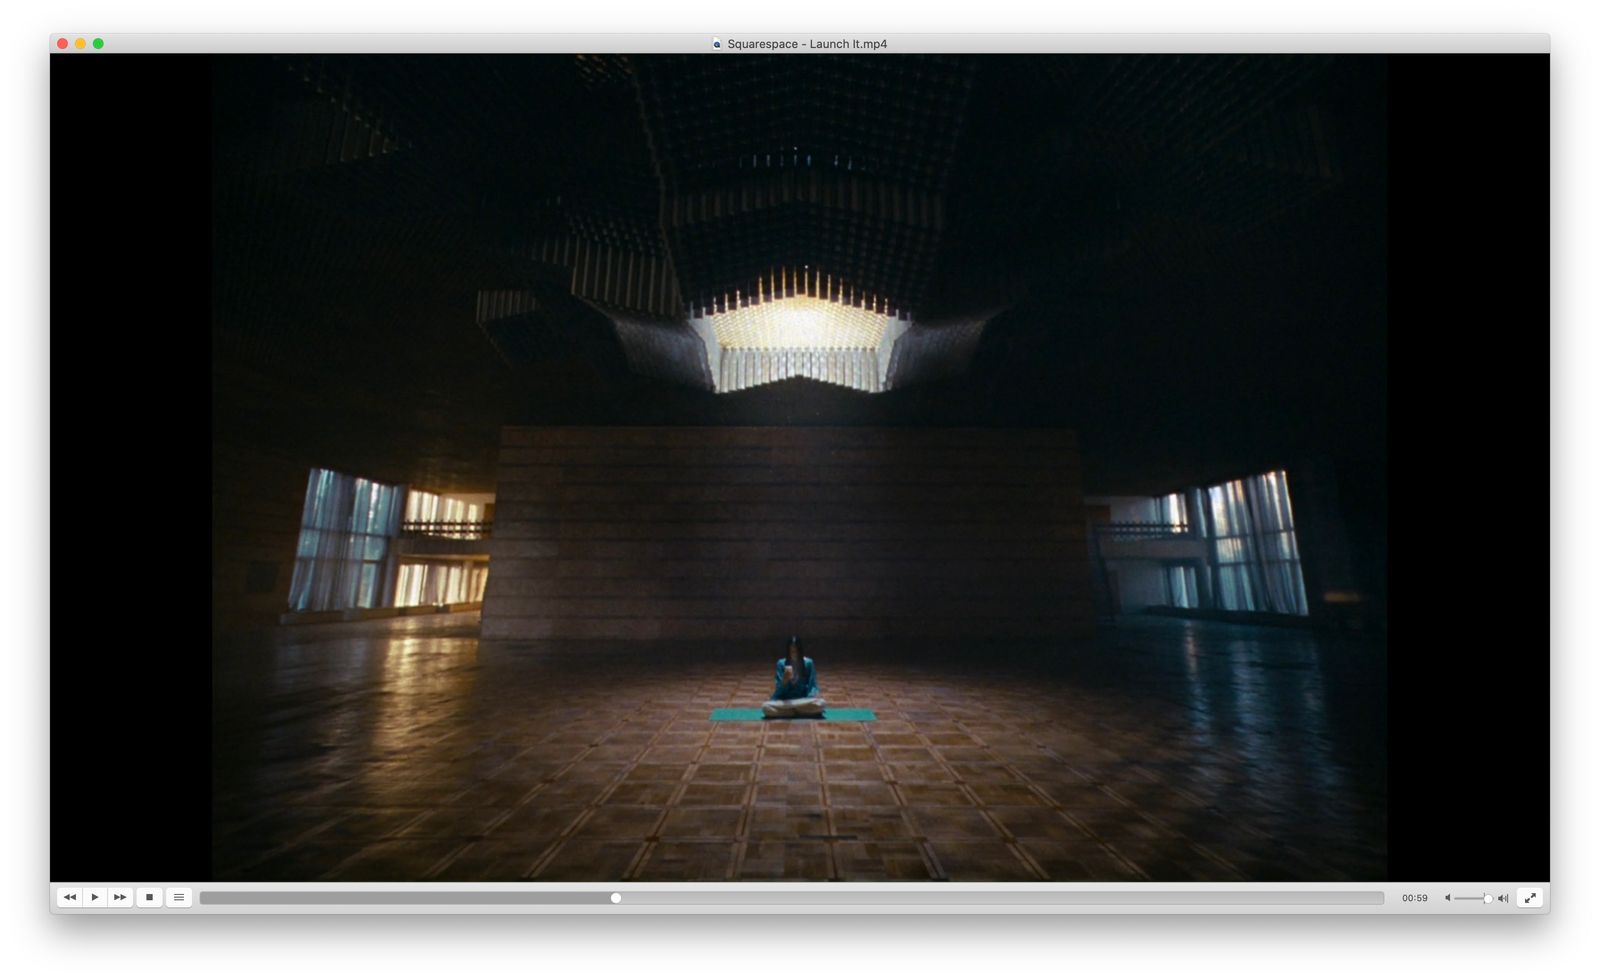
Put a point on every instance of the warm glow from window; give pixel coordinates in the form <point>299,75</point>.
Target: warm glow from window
<point>423,507</point>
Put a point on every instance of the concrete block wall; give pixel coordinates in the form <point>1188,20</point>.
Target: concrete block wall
<point>757,532</point>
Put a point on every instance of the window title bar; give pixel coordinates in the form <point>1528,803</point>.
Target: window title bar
<point>734,43</point>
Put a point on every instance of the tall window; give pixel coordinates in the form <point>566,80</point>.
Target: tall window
<point>1255,557</point>
<point>1172,509</point>
<point>1182,589</point>
<point>423,507</point>
<point>346,533</point>
<point>431,583</point>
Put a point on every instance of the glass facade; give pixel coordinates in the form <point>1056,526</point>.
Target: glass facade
<point>346,541</point>
<point>1254,558</point>
<point>348,559</point>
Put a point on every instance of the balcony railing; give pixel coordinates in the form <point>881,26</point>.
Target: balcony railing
<point>1139,531</point>
<point>460,530</point>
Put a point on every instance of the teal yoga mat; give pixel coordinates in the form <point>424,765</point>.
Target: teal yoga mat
<point>828,714</point>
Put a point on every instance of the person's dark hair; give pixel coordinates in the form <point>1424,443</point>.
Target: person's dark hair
<point>799,650</point>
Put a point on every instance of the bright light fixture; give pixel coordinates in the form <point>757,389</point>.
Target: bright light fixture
<point>799,323</point>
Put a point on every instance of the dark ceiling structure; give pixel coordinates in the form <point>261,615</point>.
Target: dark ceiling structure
<point>1181,257</point>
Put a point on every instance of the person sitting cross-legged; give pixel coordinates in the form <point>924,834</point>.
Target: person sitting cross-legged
<point>796,693</point>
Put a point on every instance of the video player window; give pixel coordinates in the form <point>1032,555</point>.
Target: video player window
<point>743,470</point>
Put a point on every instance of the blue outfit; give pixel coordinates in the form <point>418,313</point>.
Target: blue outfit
<point>805,681</point>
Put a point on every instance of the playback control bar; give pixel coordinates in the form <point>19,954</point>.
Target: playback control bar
<point>648,897</point>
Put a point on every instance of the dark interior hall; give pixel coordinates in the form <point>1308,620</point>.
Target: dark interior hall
<point>1045,396</point>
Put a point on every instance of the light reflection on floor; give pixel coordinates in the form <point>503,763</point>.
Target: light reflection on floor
<point>406,749</point>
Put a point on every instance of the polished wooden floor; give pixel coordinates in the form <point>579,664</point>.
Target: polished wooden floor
<point>409,749</point>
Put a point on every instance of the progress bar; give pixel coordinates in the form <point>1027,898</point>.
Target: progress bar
<point>791,898</point>
<point>406,898</point>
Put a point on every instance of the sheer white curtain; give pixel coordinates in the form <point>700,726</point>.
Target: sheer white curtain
<point>1276,551</point>
<point>346,533</point>
<point>1255,555</point>
<point>1182,589</point>
<point>432,508</point>
<point>434,583</point>
<point>1171,509</point>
